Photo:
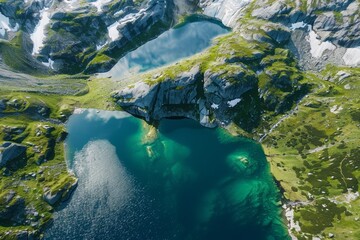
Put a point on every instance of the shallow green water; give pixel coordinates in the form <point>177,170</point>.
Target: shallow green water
<point>190,183</point>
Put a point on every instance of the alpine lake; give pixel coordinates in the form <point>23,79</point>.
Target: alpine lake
<point>182,182</point>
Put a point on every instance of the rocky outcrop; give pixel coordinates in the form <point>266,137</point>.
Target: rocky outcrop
<point>62,194</point>
<point>10,151</point>
<point>154,101</point>
<point>340,26</point>
<point>12,207</point>
<point>206,97</point>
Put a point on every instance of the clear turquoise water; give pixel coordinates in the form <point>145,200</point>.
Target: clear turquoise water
<point>190,183</point>
<point>170,46</point>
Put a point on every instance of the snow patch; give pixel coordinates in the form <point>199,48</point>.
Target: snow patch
<point>113,32</point>
<point>226,10</point>
<point>298,25</point>
<point>215,106</point>
<point>38,35</point>
<point>233,102</point>
<point>317,46</point>
<point>352,56</point>
<point>71,4</point>
<point>49,63</point>
<point>5,25</point>
<point>98,47</point>
<point>99,4</point>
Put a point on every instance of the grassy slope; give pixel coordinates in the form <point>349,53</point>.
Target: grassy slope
<point>314,154</point>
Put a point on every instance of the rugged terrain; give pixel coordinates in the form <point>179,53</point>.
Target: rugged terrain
<point>287,76</point>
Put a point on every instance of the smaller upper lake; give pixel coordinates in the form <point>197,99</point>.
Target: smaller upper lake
<point>172,45</point>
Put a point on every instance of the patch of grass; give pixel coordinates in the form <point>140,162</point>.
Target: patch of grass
<point>314,149</point>
<point>14,55</point>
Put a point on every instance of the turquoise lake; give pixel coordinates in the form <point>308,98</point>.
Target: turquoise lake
<point>172,45</point>
<point>190,182</point>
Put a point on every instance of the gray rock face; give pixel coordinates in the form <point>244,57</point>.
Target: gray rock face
<point>224,90</point>
<point>206,97</point>
<point>78,30</point>
<point>341,28</point>
<point>10,151</point>
<point>325,21</point>
<point>228,11</point>
<point>337,21</point>
<point>52,198</point>
<point>61,195</point>
<point>153,102</point>
<point>12,208</point>
<point>270,12</point>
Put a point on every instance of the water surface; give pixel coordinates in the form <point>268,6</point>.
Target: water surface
<point>172,45</point>
<point>189,183</point>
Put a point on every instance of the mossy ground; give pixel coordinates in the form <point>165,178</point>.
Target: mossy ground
<point>27,176</point>
<point>314,154</point>
<point>43,168</point>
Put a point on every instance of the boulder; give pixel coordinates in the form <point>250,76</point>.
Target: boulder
<point>10,151</point>
<point>52,198</point>
<point>12,207</point>
<point>61,195</point>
